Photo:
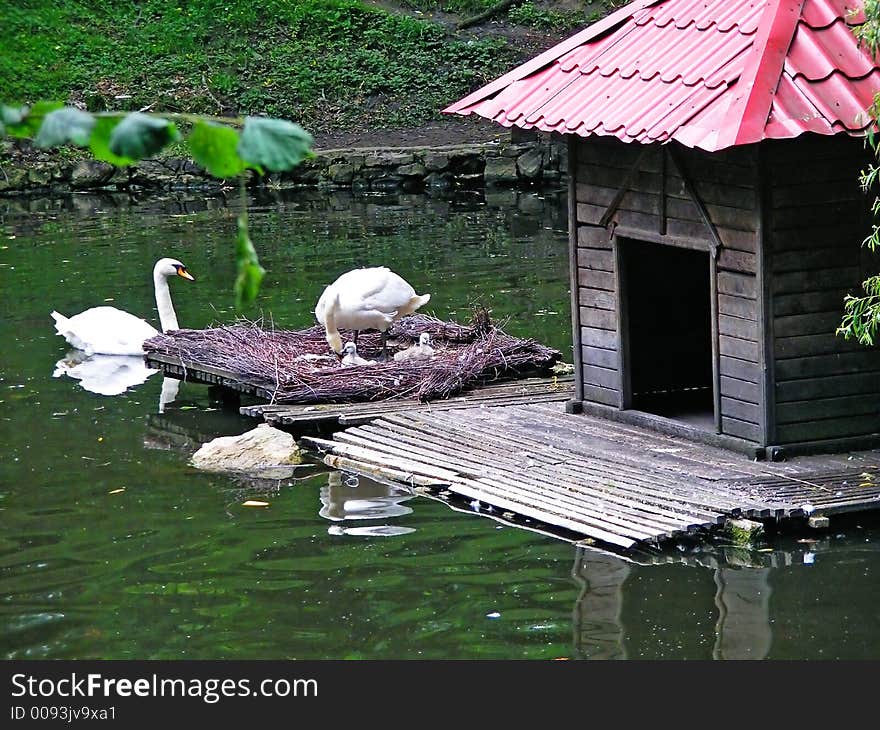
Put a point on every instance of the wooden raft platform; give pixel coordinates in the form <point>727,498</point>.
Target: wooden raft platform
<point>513,392</point>
<point>613,483</point>
<point>501,392</point>
<point>193,372</point>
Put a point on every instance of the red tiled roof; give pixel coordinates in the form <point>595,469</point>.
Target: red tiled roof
<point>707,73</point>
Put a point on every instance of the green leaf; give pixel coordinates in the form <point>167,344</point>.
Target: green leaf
<point>68,124</point>
<point>24,121</point>
<point>250,273</point>
<point>99,143</point>
<point>213,146</point>
<point>274,144</point>
<point>141,135</point>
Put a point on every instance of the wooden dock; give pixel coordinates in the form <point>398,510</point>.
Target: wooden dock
<point>511,392</point>
<point>193,372</point>
<point>587,477</point>
<point>508,450</point>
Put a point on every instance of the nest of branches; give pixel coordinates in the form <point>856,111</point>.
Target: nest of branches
<point>297,366</point>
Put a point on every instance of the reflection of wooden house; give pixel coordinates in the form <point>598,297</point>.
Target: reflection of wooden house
<point>716,215</point>
<point>739,598</point>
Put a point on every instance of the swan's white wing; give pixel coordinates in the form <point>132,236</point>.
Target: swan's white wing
<point>106,331</point>
<point>363,283</point>
<point>373,289</point>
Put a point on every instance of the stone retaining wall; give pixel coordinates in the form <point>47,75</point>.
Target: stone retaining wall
<point>510,163</point>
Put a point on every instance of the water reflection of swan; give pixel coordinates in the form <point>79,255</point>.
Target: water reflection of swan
<point>112,374</point>
<point>170,387</point>
<point>110,331</point>
<point>370,530</point>
<point>103,374</point>
<point>362,499</point>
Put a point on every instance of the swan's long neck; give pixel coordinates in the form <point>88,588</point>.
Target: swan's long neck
<point>333,337</point>
<point>167,317</point>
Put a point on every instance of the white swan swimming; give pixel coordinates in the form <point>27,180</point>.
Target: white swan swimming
<point>364,299</point>
<point>110,331</point>
<point>420,351</point>
<point>351,356</point>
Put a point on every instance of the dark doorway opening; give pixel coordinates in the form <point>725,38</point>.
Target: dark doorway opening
<point>669,315</point>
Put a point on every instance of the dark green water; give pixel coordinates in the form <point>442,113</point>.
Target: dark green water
<point>112,546</point>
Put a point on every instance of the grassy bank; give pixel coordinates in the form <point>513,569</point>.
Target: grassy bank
<point>328,64</point>
<point>323,63</point>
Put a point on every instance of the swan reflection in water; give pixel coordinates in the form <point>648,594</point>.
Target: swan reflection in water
<point>346,497</point>
<point>112,374</point>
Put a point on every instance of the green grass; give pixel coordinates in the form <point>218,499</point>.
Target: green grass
<point>464,8</point>
<point>323,63</point>
<point>530,14</point>
<point>557,15</point>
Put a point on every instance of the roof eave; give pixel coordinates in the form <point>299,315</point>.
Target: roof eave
<point>549,56</point>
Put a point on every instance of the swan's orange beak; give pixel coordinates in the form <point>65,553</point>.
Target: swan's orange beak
<point>181,271</point>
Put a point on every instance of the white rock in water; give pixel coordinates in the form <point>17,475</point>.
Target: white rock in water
<point>259,450</point>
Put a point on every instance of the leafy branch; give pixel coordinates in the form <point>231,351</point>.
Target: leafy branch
<point>861,316</point>
<point>215,143</point>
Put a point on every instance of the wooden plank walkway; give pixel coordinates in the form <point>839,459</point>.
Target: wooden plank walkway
<point>614,483</point>
<point>525,391</point>
<point>193,372</point>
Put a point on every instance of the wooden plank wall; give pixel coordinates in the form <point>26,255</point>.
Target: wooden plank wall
<point>826,387</point>
<point>727,184</point>
<point>658,206</point>
<point>602,169</point>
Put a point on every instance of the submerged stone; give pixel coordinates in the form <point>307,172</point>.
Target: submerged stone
<point>259,451</point>
<point>744,532</point>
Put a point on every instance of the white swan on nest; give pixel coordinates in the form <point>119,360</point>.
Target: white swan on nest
<point>351,356</point>
<point>420,351</point>
<point>364,299</point>
<point>110,331</point>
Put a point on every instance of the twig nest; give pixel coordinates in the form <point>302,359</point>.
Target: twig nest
<point>274,360</point>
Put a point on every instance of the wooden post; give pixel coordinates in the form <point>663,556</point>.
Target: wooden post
<point>621,310</point>
<point>577,403</point>
<point>716,342</point>
<point>715,245</point>
<point>664,174</point>
<point>767,392</point>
